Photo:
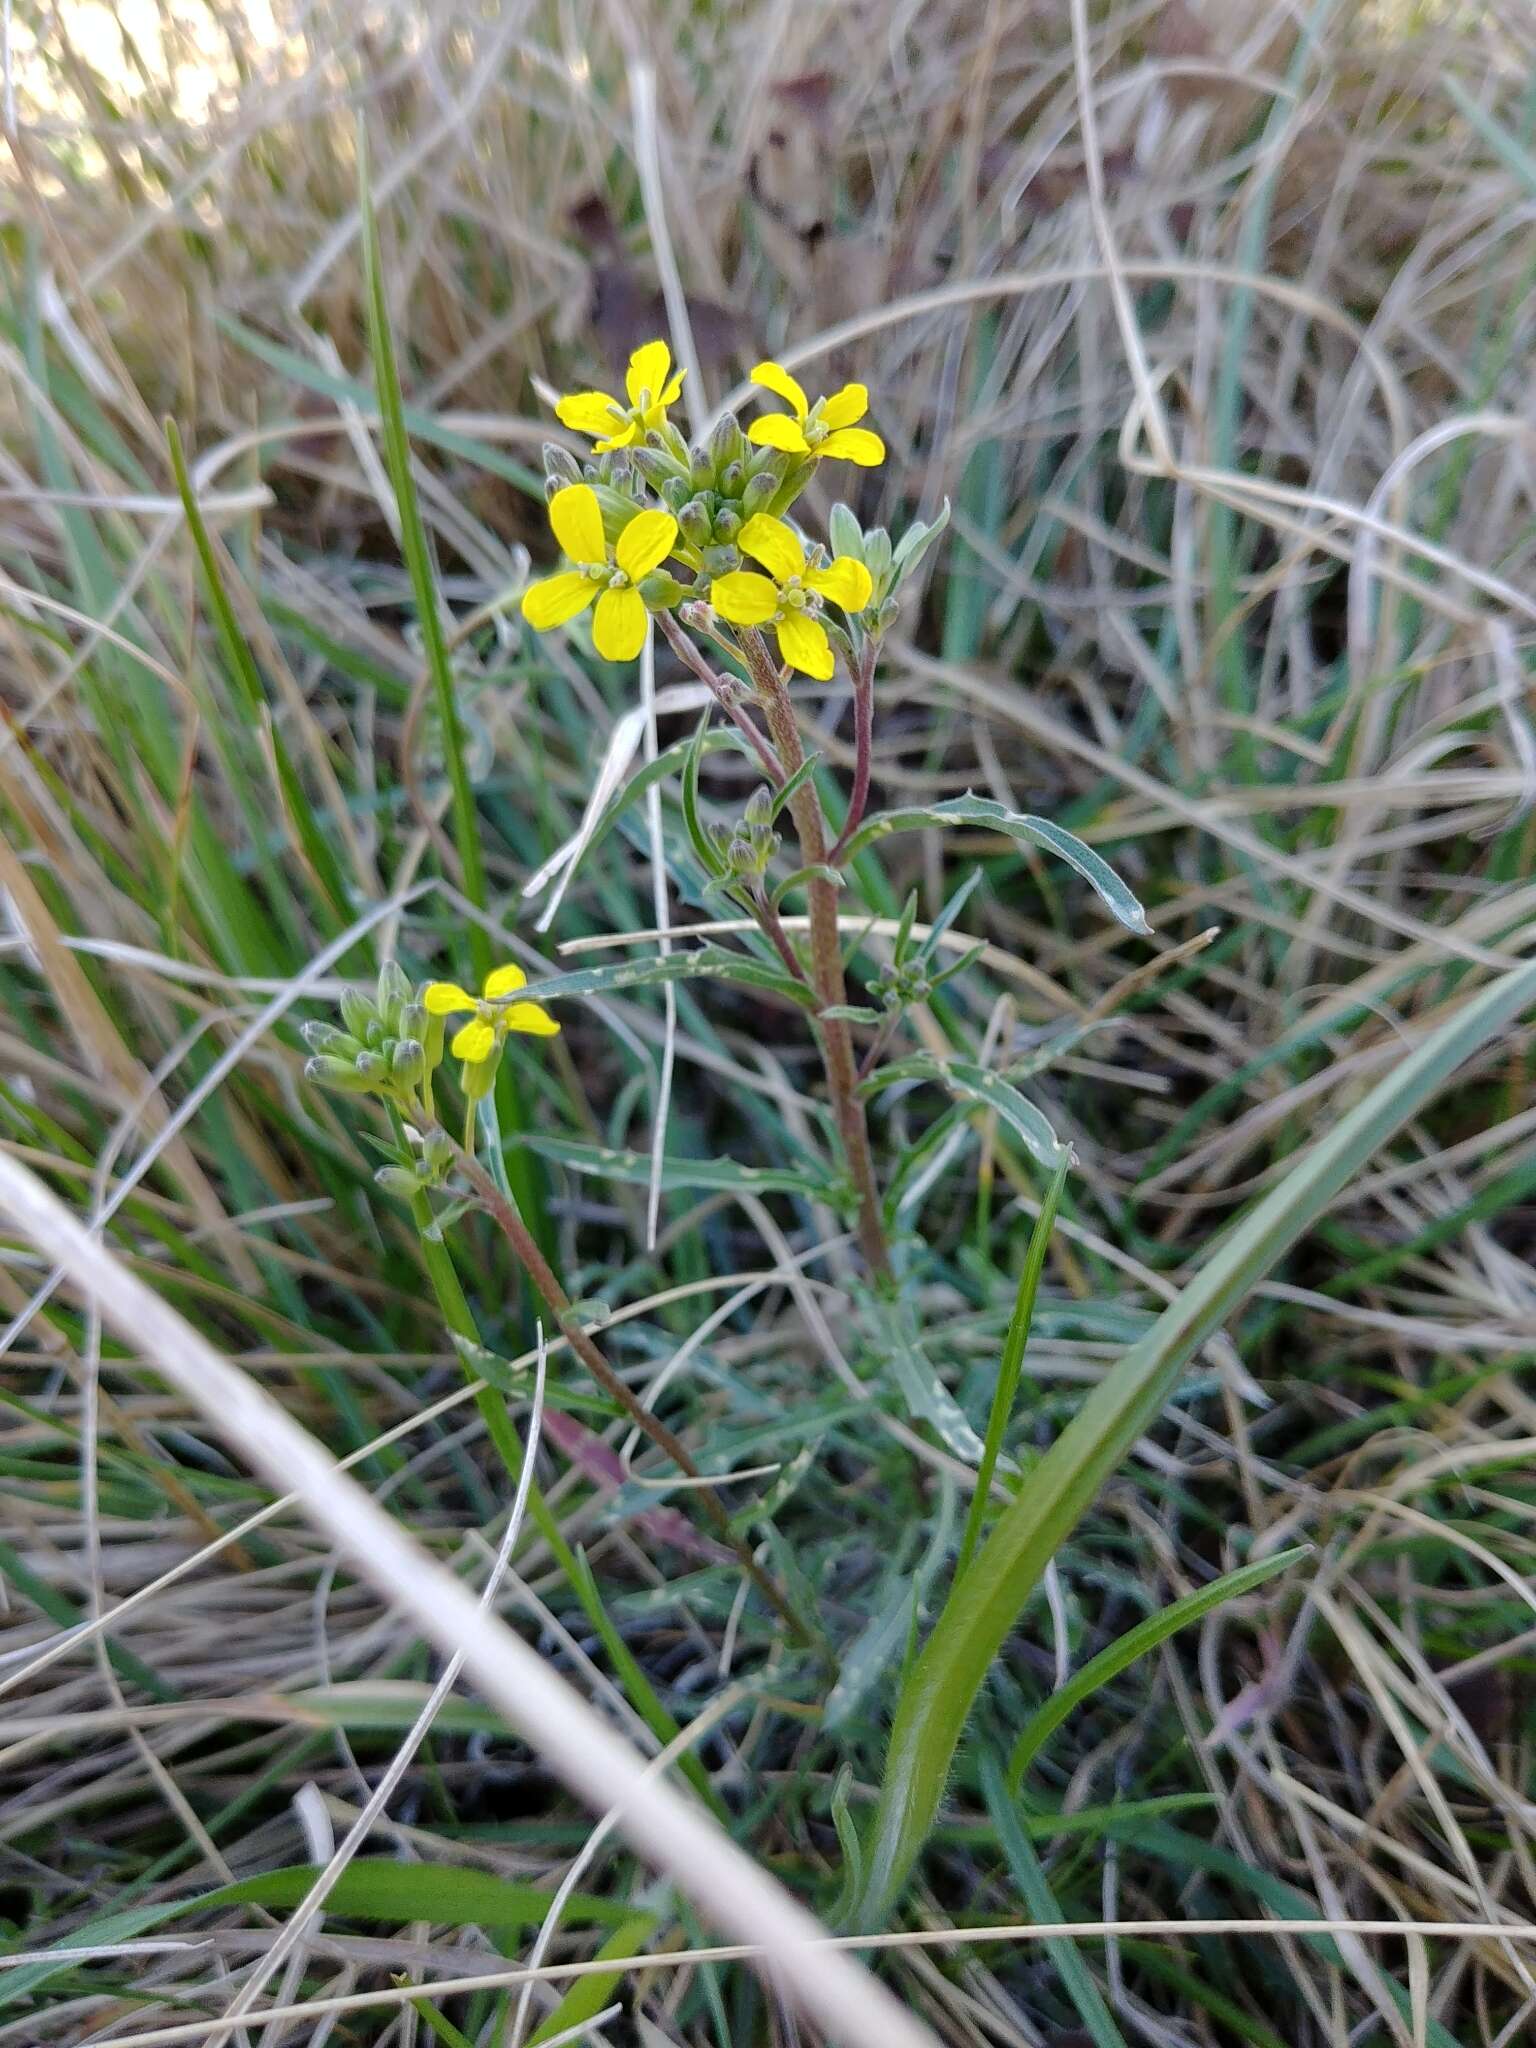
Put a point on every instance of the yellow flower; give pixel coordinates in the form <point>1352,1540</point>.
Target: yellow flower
<point>825,429</point>
<point>618,624</point>
<point>789,598</point>
<point>650,384</point>
<point>493,1017</point>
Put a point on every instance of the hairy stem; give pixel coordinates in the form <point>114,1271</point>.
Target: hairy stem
<point>506,1218</point>
<point>716,684</point>
<point>826,953</point>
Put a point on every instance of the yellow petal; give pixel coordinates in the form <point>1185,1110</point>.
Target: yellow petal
<point>532,1018</point>
<point>674,386</point>
<point>845,406</point>
<point>630,431</point>
<point>804,645</point>
<point>644,543</point>
<point>589,412</point>
<point>845,581</point>
<point>473,1042</point>
<point>557,599</point>
<point>775,378</point>
<point>618,624</point>
<point>744,598</point>
<point>854,444</point>
<point>442,998</point>
<point>505,981</point>
<point>772,543</point>
<point>578,523</point>
<point>647,372</point>
<point>777,430</point>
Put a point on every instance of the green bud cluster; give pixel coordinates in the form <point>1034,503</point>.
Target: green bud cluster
<point>430,1164</point>
<point>889,567</point>
<point>386,1044</point>
<point>746,850</point>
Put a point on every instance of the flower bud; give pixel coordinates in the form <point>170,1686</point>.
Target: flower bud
<point>701,469</point>
<point>373,1067</point>
<point>394,992</point>
<point>758,491</point>
<point>560,467</point>
<point>396,1180</point>
<point>694,524</point>
<point>407,1062</point>
<point>328,1038</point>
<point>727,524</point>
<point>759,810</point>
<point>731,479</point>
<point>357,1012</point>
<point>654,464</point>
<point>725,443</point>
<point>327,1072</point>
<point>676,491</point>
<point>720,561</point>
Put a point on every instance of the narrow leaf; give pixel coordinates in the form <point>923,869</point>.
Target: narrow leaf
<point>984,812</point>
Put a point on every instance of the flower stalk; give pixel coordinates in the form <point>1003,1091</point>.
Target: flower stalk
<point>827,977</point>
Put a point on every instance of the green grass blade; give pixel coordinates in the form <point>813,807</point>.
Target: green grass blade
<point>1028,1874</point>
<point>1136,1642</point>
<point>1012,1364</point>
<point>984,1606</point>
<point>418,560</point>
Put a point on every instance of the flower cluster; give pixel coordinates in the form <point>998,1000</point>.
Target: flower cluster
<point>390,1044</point>
<point>650,522</point>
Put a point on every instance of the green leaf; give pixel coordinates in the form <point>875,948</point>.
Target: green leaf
<point>983,811</point>
<point>980,1084</point>
<point>588,1995</point>
<point>984,1606</point>
<point>635,1169</point>
<point>698,838</point>
<point>1012,1365</point>
<point>379,1888</point>
<point>416,548</point>
<point>1136,1642</point>
<point>703,963</point>
<point>1028,1874</point>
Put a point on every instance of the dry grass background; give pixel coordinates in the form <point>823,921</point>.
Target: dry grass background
<point>1230,388</point>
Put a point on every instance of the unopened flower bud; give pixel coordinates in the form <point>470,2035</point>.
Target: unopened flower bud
<point>394,991</point>
<point>693,522</point>
<point>398,1181</point>
<point>677,491</point>
<point>407,1062</point>
<point>758,491</point>
<point>372,1066</point>
<point>654,464</point>
<point>727,524</point>
<point>328,1038</point>
<point>560,466</point>
<point>731,479</point>
<point>357,1012</point>
<point>725,443</point>
<point>327,1072</point>
<point>720,561</point>
<point>759,810</point>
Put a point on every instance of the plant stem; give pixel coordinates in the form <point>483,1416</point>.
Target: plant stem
<point>504,1214</point>
<point>773,929</point>
<point>863,746</point>
<point>826,953</point>
<point>693,660</point>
